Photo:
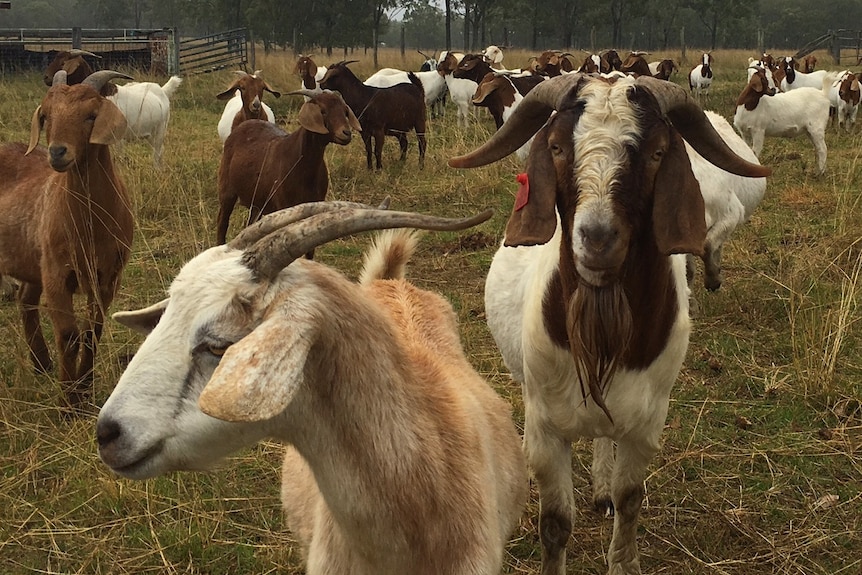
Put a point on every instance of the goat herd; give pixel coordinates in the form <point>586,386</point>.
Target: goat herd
<point>401,458</point>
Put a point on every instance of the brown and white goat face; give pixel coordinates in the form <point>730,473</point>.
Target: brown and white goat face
<point>73,117</point>
<point>251,89</point>
<point>327,113</point>
<point>618,175</point>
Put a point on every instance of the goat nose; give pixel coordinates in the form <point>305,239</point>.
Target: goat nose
<point>107,431</point>
<point>598,238</point>
<point>57,152</point>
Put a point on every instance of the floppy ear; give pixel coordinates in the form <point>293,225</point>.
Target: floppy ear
<point>275,93</point>
<point>253,384</point>
<point>142,320</point>
<point>678,216</point>
<point>228,94</point>
<point>110,124</point>
<point>311,118</point>
<point>534,216</point>
<point>352,120</point>
<point>35,130</point>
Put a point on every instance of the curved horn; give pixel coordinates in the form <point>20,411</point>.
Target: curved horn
<point>241,73</point>
<point>273,253</point>
<point>688,118</point>
<point>304,92</point>
<point>79,52</point>
<point>424,55</point>
<point>97,80</point>
<point>59,78</point>
<point>530,115</point>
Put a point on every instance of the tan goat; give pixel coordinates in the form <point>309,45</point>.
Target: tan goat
<point>66,223</point>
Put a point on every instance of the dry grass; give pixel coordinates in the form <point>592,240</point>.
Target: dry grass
<point>761,467</point>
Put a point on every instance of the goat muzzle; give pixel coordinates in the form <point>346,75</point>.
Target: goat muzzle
<point>59,157</point>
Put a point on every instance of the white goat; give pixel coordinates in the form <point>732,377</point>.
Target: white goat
<point>729,200</point>
<point>494,56</point>
<point>700,78</point>
<point>461,90</point>
<point>795,79</point>
<point>432,82</point>
<point>147,107</point>
<point>584,299</point>
<point>761,112</point>
<point>401,458</point>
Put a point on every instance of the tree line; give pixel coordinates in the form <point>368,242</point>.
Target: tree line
<point>464,24</point>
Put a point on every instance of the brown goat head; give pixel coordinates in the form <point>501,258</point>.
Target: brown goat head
<point>73,63</point>
<point>306,69</point>
<point>327,113</point>
<point>75,117</point>
<point>251,88</point>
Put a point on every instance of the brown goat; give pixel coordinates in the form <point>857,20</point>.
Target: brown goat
<point>553,63</point>
<point>248,106</point>
<point>73,63</point>
<point>636,65</point>
<point>810,63</point>
<point>392,111</point>
<point>267,169</point>
<point>66,223</point>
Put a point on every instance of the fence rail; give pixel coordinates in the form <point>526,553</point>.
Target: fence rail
<point>158,50</point>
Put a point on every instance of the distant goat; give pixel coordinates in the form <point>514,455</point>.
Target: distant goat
<point>393,111</point>
<point>66,224</point>
<point>73,63</point>
<point>310,73</point>
<point>700,78</point>
<point>244,102</point>
<point>266,169</point>
<point>400,459</point>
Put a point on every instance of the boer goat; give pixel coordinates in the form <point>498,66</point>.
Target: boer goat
<point>267,169</point>
<point>761,112</point>
<point>700,77</point>
<point>663,69</point>
<point>310,73</point>
<point>66,223</point>
<point>585,298</point>
<point>498,94</point>
<point>73,63</point>
<point>244,102</point>
<point>461,90</point>
<point>794,79</point>
<point>392,111</point>
<point>400,458</point>
<point>844,97</point>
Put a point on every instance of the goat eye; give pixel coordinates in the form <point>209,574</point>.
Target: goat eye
<point>657,155</point>
<point>217,350</point>
<point>556,149</point>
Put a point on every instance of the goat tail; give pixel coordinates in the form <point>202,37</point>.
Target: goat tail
<point>387,258</point>
<point>170,87</point>
<point>414,79</point>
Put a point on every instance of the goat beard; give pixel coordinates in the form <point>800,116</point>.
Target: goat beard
<point>599,326</point>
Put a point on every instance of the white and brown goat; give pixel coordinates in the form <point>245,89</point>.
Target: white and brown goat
<point>400,457</point>
<point>586,299</point>
<point>66,223</point>
<point>244,102</point>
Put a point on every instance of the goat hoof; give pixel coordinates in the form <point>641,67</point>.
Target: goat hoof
<point>604,507</point>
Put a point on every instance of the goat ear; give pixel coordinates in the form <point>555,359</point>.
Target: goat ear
<point>678,217</point>
<point>352,120</point>
<point>227,94</point>
<point>250,384</point>
<point>110,124</point>
<point>35,130</point>
<point>142,320</point>
<point>275,93</point>
<point>311,118</point>
<point>534,216</point>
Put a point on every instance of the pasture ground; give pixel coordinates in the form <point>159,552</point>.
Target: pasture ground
<point>761,467</point>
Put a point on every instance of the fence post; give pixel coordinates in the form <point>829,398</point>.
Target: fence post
<point>835,46</point>
<point>173,51</point>
<point>682,43</point>
<point>76,37</point>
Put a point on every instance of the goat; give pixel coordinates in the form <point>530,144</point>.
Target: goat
<point>552,63</point>
<point>729,200</point>
<point>460,90</point>
<point>809,63</point>
<point>400,458</point>
<point>474,67</point>
<point>499,95</point>
<point>584,299</point>
<point>433,83</point>
<point>794,79</point>
<point>66,223</point>
<point>755,65</point>
<point>310,73</point>
<point>438,106</point>
<point>245,102</point>
<point>392,111</point>
<point>700,78</point>
<point>844,98</point>
<point>267,169</point>
<point>147,108</point>
<point>494,56</point>
<point>592,65</point>
<point>73,63</point>
<point>663,69</point>
<point>761,112</point>
<point>636,65</point>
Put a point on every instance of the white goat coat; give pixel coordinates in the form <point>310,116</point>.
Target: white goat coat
<point>432,82</point>
<point>147,109</point>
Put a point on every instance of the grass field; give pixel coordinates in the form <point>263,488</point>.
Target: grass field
<point>761,468</point>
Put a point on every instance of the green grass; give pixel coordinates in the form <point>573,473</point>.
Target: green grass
<point>765,424</point>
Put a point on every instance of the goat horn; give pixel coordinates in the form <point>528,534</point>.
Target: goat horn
<point>688,118</point>
<point>79,52</point>
<point>59,78</point>
<point>304,92</point>
<point>272,254</point>
<point>530,115</point>
<point>97,80</point>
<point>241,73</point>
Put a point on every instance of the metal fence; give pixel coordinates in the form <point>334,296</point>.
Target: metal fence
<point>159,51</point>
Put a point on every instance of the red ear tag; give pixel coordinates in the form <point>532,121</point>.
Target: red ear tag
<point>523,195</point>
